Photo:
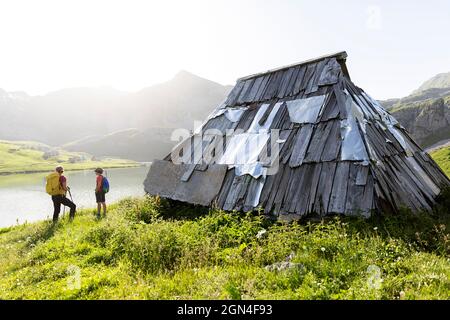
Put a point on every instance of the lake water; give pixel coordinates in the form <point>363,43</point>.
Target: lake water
<point>23,197</point>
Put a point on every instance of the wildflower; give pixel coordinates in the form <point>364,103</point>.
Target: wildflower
<point>261,233</point>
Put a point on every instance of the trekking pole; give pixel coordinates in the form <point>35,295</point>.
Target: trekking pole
<point>70,194</point>
<point>64,209</point>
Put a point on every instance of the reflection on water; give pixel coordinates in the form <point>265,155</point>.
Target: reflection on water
<point>23,197</point>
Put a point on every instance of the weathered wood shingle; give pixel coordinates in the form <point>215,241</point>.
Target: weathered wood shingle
<point>314,170</point>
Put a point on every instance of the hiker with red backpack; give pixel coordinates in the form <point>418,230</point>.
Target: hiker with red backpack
<point>101,188</point>
<point>56,186</point>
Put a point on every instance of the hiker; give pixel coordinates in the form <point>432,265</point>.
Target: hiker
<point>57,187</point>
<point>101,188</point>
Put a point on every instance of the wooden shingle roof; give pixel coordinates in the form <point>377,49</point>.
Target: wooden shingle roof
<point>340,56</point>
<point>336,150</point>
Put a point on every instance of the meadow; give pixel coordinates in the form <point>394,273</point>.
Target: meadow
<point>149,248</point>
<point>31,157</point>
<point>442,158</point>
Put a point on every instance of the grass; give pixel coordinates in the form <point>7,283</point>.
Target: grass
<point>421,101</point>
<point>442,158</point>
<point>152,249</point>
<point>28,157</point>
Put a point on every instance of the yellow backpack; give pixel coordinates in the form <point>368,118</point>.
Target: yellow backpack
<point>53,186</point>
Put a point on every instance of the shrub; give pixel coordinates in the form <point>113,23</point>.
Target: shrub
<point>100,235</point>
<point>232,228</point>
<point>443,202</point>
<point>155,248</point>
<point>145,209</point>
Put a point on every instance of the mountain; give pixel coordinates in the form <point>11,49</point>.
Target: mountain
<point>104,121</point>
<point>12,108</point>
<point>425,113</point>
<point>59,116</point>
<point>133,144</point>
<point>441,80</point>
<point>176,103</point>
<point>96,119</point>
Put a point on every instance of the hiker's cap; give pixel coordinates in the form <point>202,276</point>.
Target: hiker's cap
<point>99,170</point>
<point>59,169</point>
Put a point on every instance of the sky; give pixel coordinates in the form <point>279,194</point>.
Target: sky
<point>46,45</point>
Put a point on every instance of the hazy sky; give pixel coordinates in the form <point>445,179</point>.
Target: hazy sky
<point>393,46</point>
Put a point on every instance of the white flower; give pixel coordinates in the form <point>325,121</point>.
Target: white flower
<point>261,233</point>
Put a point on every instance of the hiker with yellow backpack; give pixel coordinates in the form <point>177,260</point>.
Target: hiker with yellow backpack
<point>56,186</point>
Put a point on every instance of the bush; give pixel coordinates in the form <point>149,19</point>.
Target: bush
<point>146,209</point>
<point>155,248</point>
<point>100,235</point>
<point>443,202</point>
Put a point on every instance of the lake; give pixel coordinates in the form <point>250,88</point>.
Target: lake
<point>23,197</point>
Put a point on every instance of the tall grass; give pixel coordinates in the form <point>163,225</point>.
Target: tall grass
<point>149,248</point>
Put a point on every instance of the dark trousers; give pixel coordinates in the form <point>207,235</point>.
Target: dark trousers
<point>62,200</point>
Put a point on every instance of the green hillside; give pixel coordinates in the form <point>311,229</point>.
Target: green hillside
<point>442,157</point>
<point>421,101</point>
<point>28,157</point>
<point>148,249</point>
<point>425,113</point>
<point>426,120</point>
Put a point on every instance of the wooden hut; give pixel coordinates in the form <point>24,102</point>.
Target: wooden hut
<point>311,141</point>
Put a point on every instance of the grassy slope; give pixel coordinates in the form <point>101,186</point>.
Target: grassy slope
<point>23,157</point>
<point>136,254</point>
<point>442,157</point>
<point>423,101</point>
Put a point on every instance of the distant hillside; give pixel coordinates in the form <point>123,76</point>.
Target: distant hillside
<point>426,112</point>
<point>59,116</point>
<point>176,103</point>
<point>91,118</point>
<point>153,113</point>
<point>439,81</point>
<point>428,121</point>
<point>98,120</point>
<point>387,104</point>
<point>442,157</point>
<point>28,156</point>
<point>131,143</point>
